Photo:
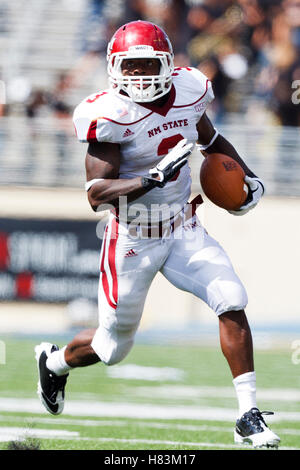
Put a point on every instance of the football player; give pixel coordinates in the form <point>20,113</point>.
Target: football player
<point>141,131</point>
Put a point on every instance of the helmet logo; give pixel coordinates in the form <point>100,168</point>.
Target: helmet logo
<point>140,48</point>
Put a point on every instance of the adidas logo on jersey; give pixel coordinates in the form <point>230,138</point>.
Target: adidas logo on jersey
<point>127,133</point>
<point>130,253</point>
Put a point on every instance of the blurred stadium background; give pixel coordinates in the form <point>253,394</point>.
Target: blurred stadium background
<point>52,56</point>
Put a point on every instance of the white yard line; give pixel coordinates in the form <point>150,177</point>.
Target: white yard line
<point>173,443</point>
<point>139,411</point>
<point>15,433</point>
<point>123,410</point>
<point>184,392</point>
<point>8,434</point>
<point>125,423</point>
<point>20,433</point>
<point>136,372</point>
<point>192,392</point>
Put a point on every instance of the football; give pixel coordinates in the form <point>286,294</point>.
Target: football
<point>222,181</point>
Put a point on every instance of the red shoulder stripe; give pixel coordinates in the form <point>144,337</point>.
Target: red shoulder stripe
<point>122,123</point>
<point>91,135</point>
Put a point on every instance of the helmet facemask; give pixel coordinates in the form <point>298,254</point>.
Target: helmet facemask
<point>141,88</point>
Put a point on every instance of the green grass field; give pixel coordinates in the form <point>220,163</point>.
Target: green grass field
<point>160,397</point>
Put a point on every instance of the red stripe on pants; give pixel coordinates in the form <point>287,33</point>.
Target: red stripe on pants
<point>111,246</point>
<point>112,257</point>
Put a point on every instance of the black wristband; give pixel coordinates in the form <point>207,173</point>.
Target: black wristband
<point>148,183</point>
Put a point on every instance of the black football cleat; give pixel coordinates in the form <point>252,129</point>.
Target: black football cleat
<point>252,429</point>
<point>51,387</point>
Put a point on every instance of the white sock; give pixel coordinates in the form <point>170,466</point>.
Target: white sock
<point>56,362</point>
<point>245,387</point>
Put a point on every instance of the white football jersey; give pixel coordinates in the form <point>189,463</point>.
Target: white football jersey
<point>146,133</point>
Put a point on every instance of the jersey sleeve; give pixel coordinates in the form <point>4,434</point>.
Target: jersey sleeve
<point>204,85</point>
<point>89,125</point>
<point>195,89</point>
<point>210,92</point>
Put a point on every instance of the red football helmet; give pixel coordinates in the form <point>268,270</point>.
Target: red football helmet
<point>140,39</point>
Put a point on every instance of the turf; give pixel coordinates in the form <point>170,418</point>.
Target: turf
<point>203,382</point>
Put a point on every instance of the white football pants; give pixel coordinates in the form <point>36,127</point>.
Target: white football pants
<point>188,257</point>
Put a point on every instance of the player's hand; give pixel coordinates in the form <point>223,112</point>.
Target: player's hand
<point>170,164</point>
<point>256,190</point>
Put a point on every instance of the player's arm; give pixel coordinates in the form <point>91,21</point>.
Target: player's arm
<point>102,172</point>
<point>210,141</point>
<point>104,186</point>
<point>206,134</point>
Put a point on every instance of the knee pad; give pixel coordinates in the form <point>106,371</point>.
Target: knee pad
<point>112,346</point>
<point>234,296</point>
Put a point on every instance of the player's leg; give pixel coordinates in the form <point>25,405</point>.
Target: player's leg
<point>79,352</point>
<point>54,365</point>
<point>236,342</point>
<point>119,316</point>
<point>198,264</point>
<point>127,270</point>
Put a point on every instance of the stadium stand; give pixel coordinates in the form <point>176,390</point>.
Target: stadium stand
<point>48,66</point>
